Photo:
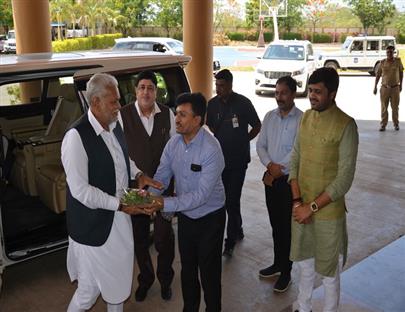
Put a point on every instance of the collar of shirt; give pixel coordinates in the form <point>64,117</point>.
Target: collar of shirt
<point>98,128</point>
<point>156,110</point>
<point>196,140</point>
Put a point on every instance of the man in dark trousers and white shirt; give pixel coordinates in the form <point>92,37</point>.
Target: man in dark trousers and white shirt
<point>274,146</point>
<point>229,115</point>
<point>95,159</point>
<point>147,128</point>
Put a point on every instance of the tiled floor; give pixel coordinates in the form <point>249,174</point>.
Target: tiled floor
<point>371,281</point>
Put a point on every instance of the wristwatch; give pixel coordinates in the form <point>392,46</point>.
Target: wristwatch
<point>314,207</point>
<point>138,175</point>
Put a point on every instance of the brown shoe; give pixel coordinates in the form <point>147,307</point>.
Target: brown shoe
<point>382,128</point>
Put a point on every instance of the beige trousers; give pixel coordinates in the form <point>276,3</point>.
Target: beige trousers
<point>388,95</point>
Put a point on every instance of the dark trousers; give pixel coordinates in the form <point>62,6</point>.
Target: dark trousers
<point>200,246</point>
<point>233,182</point>
<point>163,238</point>
<point>279,206</point>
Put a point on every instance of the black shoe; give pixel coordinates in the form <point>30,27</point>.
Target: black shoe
<point>282,283</point>
<point>269,272</point>
<point>141,293</point>
<point>396,128</point>
<point>382,128</point>
<point>166,293</point>
<point>228,251</point>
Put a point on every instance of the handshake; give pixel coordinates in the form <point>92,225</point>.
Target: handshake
<point>138,201</point>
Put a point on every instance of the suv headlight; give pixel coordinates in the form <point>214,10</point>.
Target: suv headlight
<point>259,71</point>
<point>298,72</point>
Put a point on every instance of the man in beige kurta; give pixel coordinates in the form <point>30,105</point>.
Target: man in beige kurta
<point>391,71</point>
<point>322,168</point>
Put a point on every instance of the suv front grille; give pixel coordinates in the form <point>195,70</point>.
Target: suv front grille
<point>276,75</point>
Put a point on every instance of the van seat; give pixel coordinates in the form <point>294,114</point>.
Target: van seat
<point>51,186</point>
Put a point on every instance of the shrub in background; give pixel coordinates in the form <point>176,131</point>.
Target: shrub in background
<point>291,36</point>
<point>322,38</point>
<point>88,43</point>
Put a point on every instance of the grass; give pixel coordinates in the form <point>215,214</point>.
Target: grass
<point>239,68</point>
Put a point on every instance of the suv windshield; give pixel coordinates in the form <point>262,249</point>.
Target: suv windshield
<point>284,52</point>
<point>11,35</point>
<point>176,46</point>
<point>346,44</point>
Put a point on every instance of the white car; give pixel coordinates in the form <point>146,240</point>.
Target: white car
<point>285,58</point>
<point>10,44</point>
<point>157,44</point>
<point>359,53</point>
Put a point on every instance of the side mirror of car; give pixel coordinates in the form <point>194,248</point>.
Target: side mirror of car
<point>259,57</point>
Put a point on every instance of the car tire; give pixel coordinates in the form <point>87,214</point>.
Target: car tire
<point>305,93</point>
<point>332,64</point>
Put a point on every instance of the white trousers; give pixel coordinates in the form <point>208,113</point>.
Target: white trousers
<point>331,286</point>
<point>85,297</point>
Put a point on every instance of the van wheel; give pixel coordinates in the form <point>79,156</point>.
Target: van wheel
<point>332,64</point>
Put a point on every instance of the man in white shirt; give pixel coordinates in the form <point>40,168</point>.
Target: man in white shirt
<point>95,159</point>
<point>147,127</point>
<point>274,147</point>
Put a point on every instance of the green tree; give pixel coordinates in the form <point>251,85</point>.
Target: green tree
<point>315,10</point>
<point>168,14</point>
<point>294,15</point>
<point>6,14</point>
<point>226,14</point>
<point>400,24</point>
<point>373,13</point>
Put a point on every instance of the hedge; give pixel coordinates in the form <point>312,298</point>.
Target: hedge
<point>87,43</point>
<point>322,38</point>
<point>401,39</point>
<point>291,36</point>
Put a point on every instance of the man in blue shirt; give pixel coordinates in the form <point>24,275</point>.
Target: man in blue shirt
<point>194,158</point>
<point>274,147</point>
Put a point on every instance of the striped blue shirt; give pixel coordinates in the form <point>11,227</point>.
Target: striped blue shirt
<point>277,136</point>
<point>199,191</point>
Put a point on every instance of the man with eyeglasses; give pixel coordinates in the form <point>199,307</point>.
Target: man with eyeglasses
<point>147,128</point>
<point>391,72</point>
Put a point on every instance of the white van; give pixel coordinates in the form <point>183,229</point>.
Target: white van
<point>362,53</point>
<point>41,95</point>
<point>293,58</point>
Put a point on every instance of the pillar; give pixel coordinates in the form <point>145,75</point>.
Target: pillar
<point>32,25</point>
<point>197,38</point>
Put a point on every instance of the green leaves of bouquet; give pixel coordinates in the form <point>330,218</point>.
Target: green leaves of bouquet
<point>136,197</point>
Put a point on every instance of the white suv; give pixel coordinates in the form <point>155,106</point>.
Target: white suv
<point>41,95</point>
<point>285,58</point>
<point>10,44</point>
<point>359,53</point>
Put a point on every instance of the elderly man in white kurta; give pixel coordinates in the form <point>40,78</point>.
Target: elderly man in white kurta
<point>95,158</point>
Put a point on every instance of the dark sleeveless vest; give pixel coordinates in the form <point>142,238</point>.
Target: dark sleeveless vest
<point>85,225</point>
<point>146,150</point>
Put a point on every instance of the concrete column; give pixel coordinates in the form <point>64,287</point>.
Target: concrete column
<point>197,38</point>
<point>32,24</point>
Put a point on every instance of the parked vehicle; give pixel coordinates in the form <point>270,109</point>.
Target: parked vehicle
<point>362,53</point>
<point>41,95</point>
<point>3,39</point>
<point>157,44</point>
<point>293,58</point>
<point>10,44</point>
